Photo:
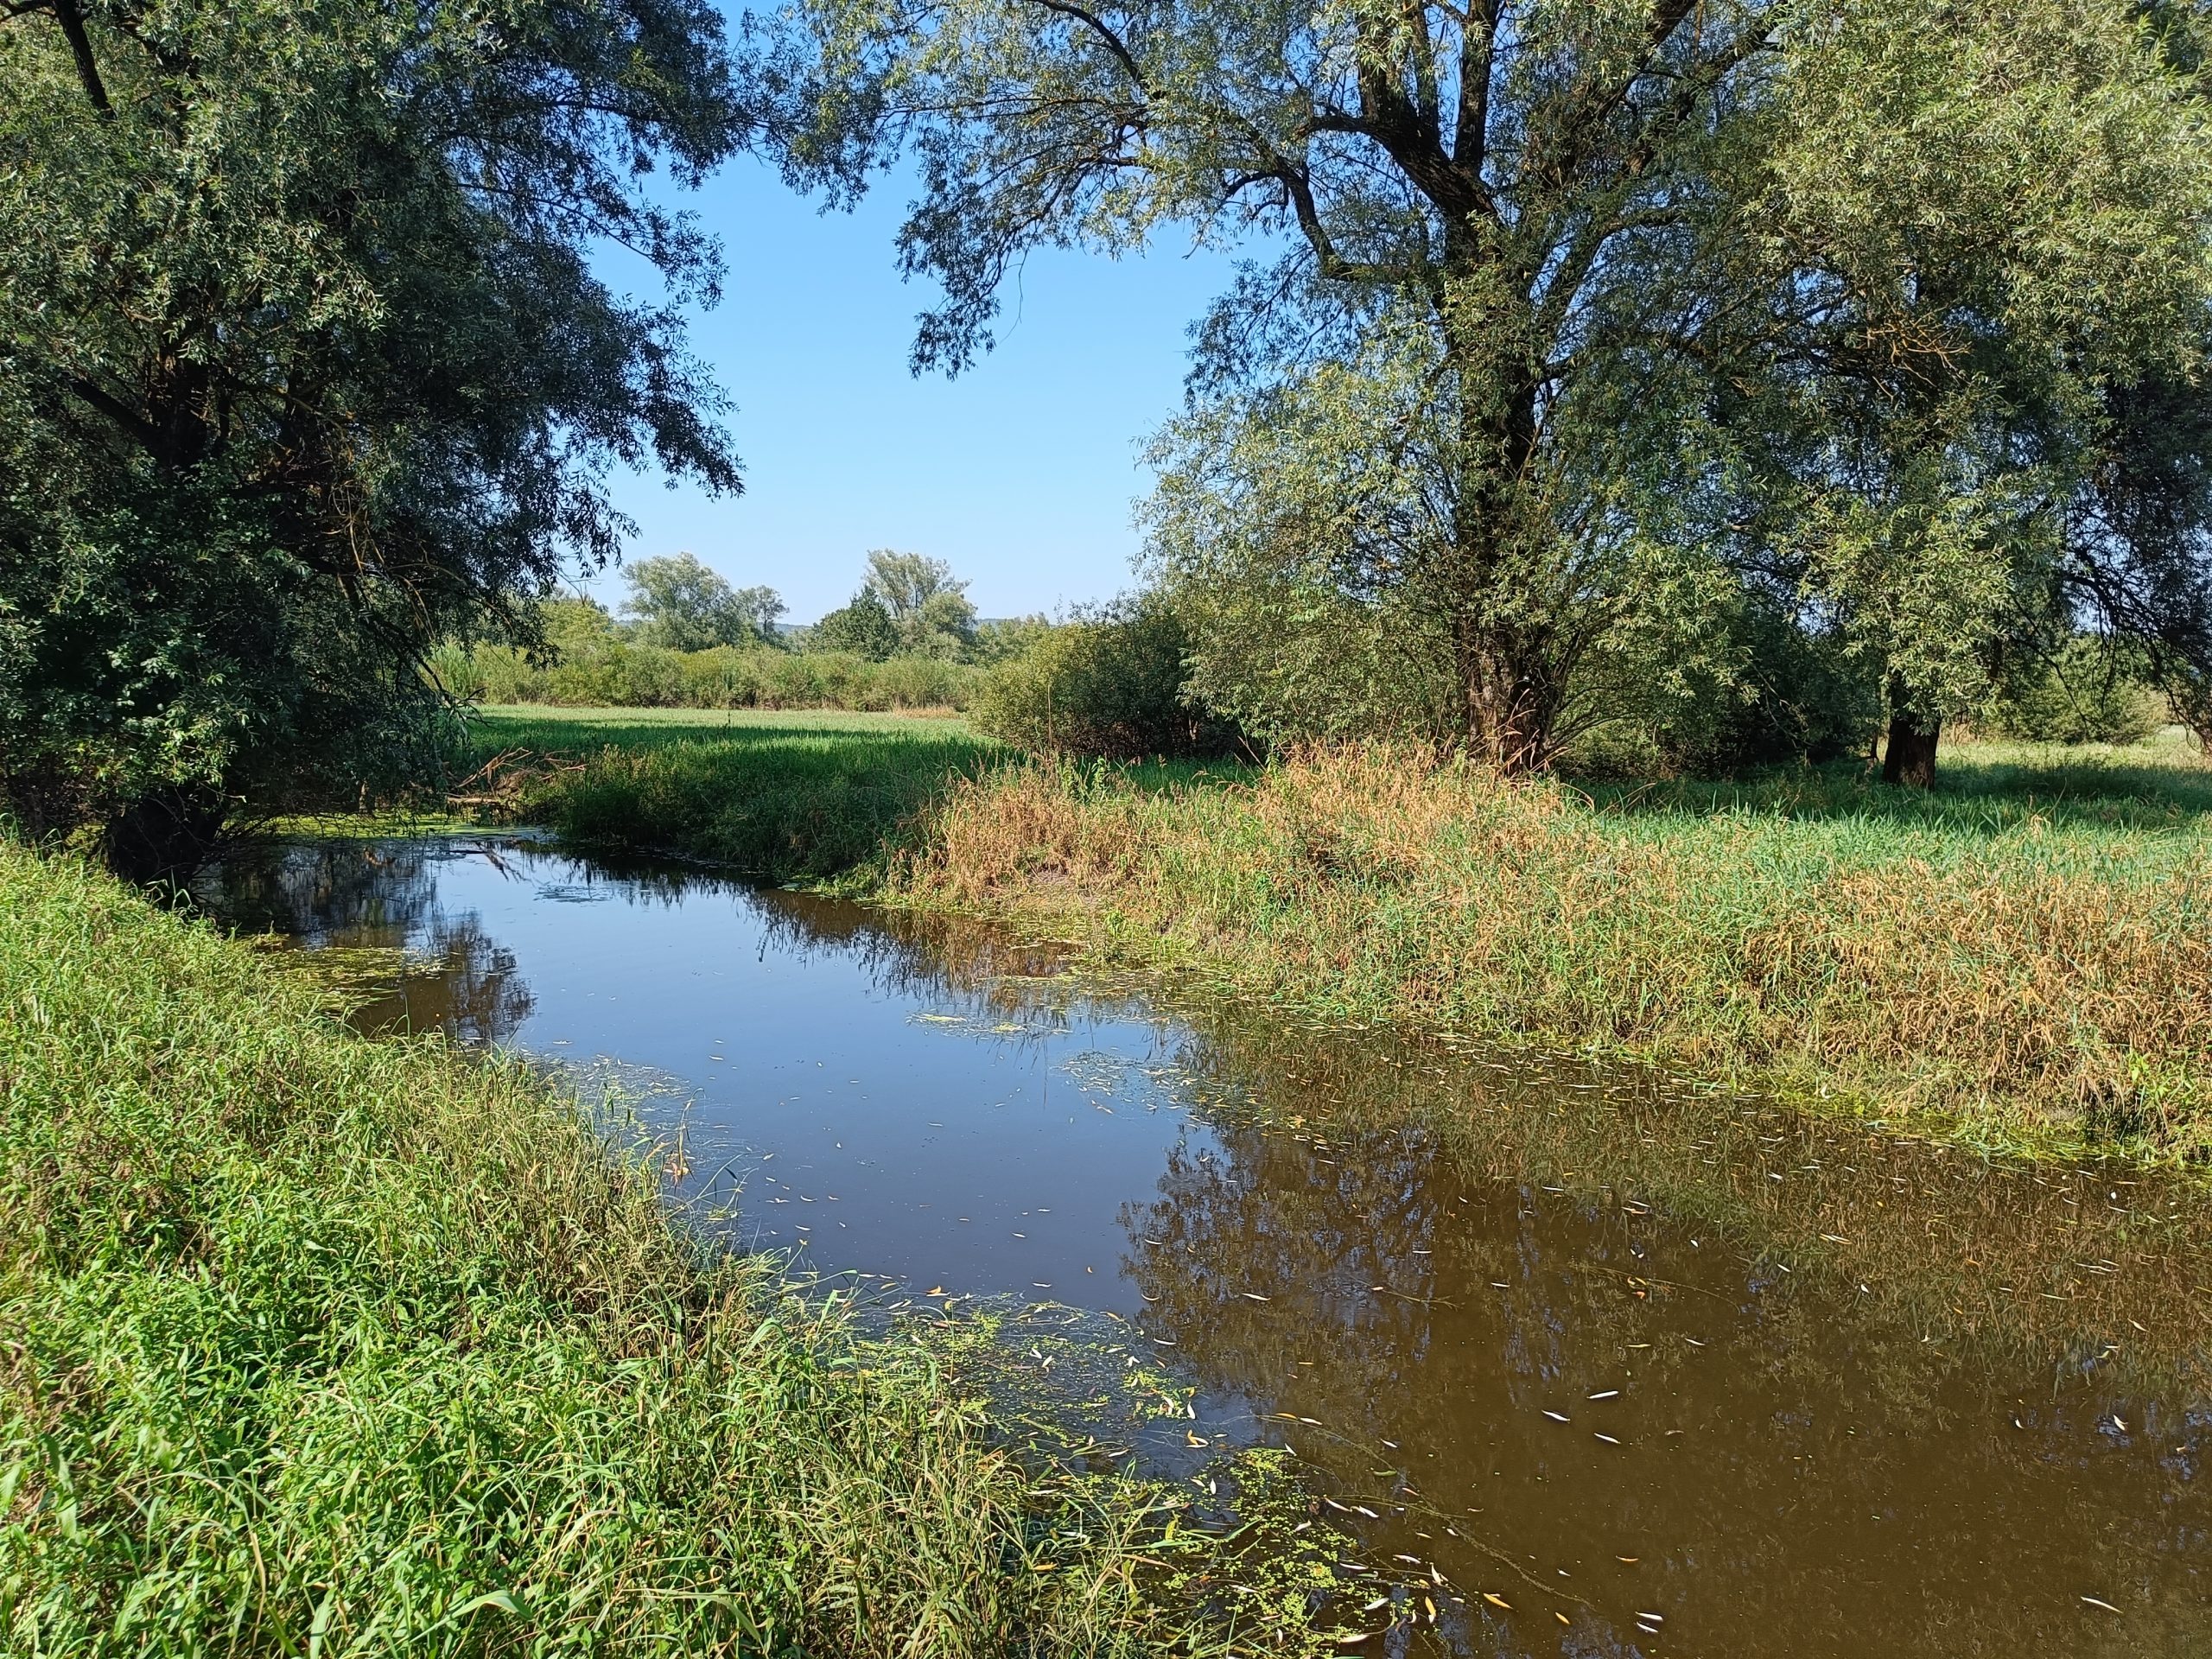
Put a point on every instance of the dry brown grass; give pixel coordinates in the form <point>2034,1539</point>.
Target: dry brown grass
<point>2026,970</point>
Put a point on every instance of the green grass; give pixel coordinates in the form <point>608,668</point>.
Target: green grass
<point>311,1345</point>
<point>2027,951</point>
<point>779,795</point>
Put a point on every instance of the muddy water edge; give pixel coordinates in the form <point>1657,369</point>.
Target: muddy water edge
<point>1576,1361</point>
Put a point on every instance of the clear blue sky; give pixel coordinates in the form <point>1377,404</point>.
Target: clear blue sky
<point>1021,473</point>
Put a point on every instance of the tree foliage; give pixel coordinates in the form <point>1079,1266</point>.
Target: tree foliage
<point>863,626</point>
<point>1971,239</point>
<point>927,604</point>
<point>681,605</point>
<point>1595,325</point>
<point>303,366</point>
<point>908,605</point>
<point>1497,191</point>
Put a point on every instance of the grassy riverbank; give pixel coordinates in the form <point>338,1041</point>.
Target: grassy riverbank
<point>314,1343</point>
<point>2027,949</point>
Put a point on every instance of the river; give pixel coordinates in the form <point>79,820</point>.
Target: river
<point>1585,1361</point>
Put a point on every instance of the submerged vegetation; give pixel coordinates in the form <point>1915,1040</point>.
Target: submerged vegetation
<point>317,1343</point>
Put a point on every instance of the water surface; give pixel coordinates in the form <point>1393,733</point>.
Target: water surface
<point>1589,1363</point>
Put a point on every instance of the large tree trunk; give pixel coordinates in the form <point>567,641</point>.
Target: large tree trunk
<point>1503,644</point>
<point>1509,707</point>
<point>1908,758</point>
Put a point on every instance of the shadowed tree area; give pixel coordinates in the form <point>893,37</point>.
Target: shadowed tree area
<point>304,367</point>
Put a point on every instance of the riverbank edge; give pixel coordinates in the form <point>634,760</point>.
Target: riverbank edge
<point>1118,923</point>
<point>1119,860</point>
<point>1170,975</point>
<point>318,1333</point>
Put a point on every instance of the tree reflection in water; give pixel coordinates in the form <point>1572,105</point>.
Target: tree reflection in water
<point>371,911</point>
<point>1792,1470</point>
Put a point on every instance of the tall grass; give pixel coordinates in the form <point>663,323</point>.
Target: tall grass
<point>2032,950</point>
<point>782,796</point>
<point>314,1345</point>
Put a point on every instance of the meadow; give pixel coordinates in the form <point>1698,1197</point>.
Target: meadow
<point>2023,955</point>
<point>311,1343</point>
<point>786,795</point>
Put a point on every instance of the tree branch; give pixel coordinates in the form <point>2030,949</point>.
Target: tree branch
<point>72,20</point>
<point>1113,41</point>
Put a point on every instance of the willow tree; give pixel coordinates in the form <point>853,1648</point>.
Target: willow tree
<point>304,363</point>
<point>1963,327</point>
<point>1504,187</point>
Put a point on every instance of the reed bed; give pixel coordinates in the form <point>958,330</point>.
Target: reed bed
<point>311,1344</point>
<point>2036,966</point>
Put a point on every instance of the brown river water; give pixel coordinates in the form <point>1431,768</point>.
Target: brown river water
<point>1584,1362</point>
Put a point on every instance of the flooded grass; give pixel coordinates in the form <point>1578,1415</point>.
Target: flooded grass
<point>309,1343</point>
<point>2025,957</point>
<point>2022,957</point>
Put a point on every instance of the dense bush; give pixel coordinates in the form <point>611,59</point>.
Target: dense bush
<point>1109,685</point>
<point>2084,692</point>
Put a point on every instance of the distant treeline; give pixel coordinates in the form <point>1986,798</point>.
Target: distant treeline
<point>1111,682</point>
<point>910,638</point>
